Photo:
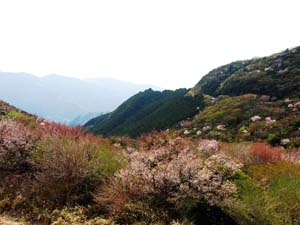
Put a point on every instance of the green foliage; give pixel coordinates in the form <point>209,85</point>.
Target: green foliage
<point>228,111</point>
<point>147,111</point>
<point>273,139</point>
<point>250,208</point>
<point>268,195</point>
<point>15,115</point>
<point>210,83</point>
<point>294,144</point>
<point>5,108</point>
<point>22,117</point>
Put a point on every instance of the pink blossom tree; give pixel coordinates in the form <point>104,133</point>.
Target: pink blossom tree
<point>16,145</point>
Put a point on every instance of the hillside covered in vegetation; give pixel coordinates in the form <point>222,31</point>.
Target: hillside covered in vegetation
<point>249,117</point>
<point>58,175</point>
<point>256,99</point>
<point>273,83</point>
<point>147,111</point>
<point>277,75</point>
<point>217,159</point>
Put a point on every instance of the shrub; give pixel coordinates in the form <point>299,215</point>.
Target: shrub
<point>70,168</point>
<point>22,117</point>
<point>141,213</point>
<point>174,180</point>
<point>294,144</point>
<point>263,153</point>
<point>239,151</point>
<point>76,216</point>
<point>16,146</point>
<point>52,128</point>
<point>273,139</point>
<point>15,192</point>
<point>208,147</point>
<point>66,166</point>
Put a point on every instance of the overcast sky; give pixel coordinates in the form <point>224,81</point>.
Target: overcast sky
<point>167,43</point>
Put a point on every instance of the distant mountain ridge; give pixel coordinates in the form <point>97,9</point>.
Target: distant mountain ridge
<point>83,119</point>
<point>61,98</point>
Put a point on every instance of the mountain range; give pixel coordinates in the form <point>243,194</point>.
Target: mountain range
<point>64,99</point>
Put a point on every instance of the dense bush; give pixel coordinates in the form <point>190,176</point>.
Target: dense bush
<point>49,166</point>
<point>263,153</point>
<point>171,179</point>
<point>71,168</point>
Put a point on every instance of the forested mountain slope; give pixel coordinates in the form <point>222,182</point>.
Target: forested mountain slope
<point>147,111</point>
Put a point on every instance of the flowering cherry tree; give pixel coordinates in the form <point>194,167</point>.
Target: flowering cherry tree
<point>173,175</point>
<point>16,145</point>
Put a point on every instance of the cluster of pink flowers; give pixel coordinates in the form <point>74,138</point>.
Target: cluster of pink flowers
<point>175,174</point>
<point>208,146</point>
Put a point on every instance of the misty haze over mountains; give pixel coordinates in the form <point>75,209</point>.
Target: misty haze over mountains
<point>64,99</point>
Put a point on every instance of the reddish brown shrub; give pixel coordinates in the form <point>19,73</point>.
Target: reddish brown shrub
<point>263,153</point>
<point>52,128</point>
<point>70,168</point>
<point>57,129</point>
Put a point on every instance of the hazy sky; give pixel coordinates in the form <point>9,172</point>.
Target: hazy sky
<point>168,43</point>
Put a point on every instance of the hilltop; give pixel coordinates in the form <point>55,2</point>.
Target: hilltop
<point>277,75</point>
